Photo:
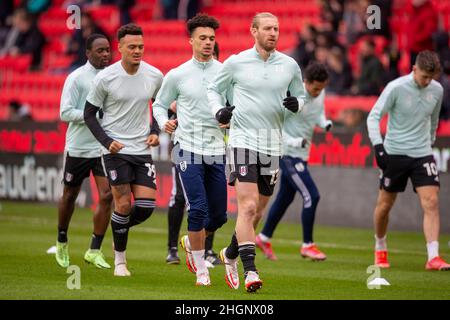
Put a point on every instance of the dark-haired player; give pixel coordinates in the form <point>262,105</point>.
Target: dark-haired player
<point>199,152</point>
<point>413,103</point>
<point>83,155</point>
<point>177,205</point>
<point>123,91</point>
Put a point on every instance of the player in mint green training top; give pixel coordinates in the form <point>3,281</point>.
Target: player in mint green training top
<point>264,83</point>
<point>83,155</point>
<point>413,103</point>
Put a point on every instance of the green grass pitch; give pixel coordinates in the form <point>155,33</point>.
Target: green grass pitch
<point>28,272</point>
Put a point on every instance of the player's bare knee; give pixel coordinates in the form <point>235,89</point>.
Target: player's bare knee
<point>248,213</point>
<point>385,204</point>
<point>70,194</point>
<point>384,207</point>
<point>249,210</point>
<point>430,203</point>
<point>106,197</point>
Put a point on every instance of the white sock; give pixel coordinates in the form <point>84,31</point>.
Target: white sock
<point>380,243</point>
<point>306,245</point>
<point>433,250</point>
<point>119,257</point>
<point>199,261</point>
<point>264,238</point>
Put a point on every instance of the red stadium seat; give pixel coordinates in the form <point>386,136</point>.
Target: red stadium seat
<point>17,64</point>
<point>443,128</point>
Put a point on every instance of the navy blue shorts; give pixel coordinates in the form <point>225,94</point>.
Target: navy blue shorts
<point>205,188</point>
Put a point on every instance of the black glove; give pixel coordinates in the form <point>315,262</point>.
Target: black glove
<point>304,143</point>
<point>100,113</point>
<point>171,115</point>
<point>224,115</point>
<point>381,156</point>
<point>290,103</point>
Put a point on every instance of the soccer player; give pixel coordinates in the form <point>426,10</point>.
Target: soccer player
<point>177,204</point>
<point>264,82</point>
<point>123,90</point>
<point>298,131</point>
<point>83,155</point>
<point>413,103</point>
<point>199,152</point>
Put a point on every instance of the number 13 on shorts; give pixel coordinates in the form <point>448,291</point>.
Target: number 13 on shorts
<point>151,170</point>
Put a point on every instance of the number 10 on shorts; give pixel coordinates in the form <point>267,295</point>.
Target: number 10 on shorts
<point>431,168</point>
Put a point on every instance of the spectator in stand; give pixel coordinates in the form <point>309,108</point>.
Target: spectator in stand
<point>77,44</point>
<point>324,39</point>
<point>440,43</point>
<point>19,112</point>
<point>10,31</point>
<point>170,9</point>
<point>6,10</point>
<point>36,7</point>
<point>371,79</point>
<point>187,9</point>
<point>193,7</point>
<point>124,8</point>
<point>340,73</point>
<point>422,24</point>
<point>321,54</point>
<point>304,53</point>
<point>28,39</point>
<point>392,57</point>
<point>445,107</point>
<point>332,12</point>
<point>180,9</point>
<point>354,20</point>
